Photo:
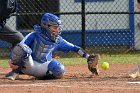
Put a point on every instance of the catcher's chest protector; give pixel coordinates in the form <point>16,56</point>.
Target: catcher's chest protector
<point>43,48</point>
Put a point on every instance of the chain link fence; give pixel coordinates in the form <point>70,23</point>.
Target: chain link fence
<point>101,26</point>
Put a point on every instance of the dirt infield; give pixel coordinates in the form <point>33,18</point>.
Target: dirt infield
<point>77,79</point>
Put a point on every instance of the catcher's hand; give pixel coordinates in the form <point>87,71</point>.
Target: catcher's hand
<point>93,63</point>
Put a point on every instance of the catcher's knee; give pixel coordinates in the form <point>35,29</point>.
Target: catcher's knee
<point>56,69</point>
<point>18,54</point>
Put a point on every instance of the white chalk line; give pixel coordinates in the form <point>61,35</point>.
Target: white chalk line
<point>34,85</point>
<point>136,82</point>
<point>65,86</point>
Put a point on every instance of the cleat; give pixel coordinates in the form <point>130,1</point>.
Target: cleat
<point>12,75</point>
<point>134,75</point>
<point>135,72</point>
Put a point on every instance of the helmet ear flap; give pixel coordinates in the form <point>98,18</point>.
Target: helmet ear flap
<point>44,25</point>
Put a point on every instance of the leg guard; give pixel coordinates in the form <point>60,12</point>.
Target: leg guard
<point>56,69</point>
<point>18,55</point>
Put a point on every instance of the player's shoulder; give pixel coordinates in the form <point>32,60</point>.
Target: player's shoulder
<point>36,26</point>
<point>37,29</point>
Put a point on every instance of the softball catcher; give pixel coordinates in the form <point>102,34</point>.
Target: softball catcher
<point>33,55</point>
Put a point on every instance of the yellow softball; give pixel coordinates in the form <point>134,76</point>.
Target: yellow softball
<point>105,65</point>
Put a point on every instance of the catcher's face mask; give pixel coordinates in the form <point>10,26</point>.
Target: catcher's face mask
<point>55,30</point>
<point>51,24</point>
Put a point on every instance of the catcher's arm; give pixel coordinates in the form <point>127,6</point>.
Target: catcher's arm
<point>92,61</point>
<point>83,53</point>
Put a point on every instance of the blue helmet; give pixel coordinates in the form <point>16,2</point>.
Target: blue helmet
<point>51,19</point>
<point>48,20</point>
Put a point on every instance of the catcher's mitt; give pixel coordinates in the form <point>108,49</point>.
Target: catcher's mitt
<point>92,63</point>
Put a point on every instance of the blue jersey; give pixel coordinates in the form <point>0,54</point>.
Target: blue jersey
<point>43,47</point>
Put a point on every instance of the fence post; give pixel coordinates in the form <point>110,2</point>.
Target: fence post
<point>131,23</point>
<point>83,24</point>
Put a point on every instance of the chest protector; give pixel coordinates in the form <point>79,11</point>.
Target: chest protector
<point>43,48</point>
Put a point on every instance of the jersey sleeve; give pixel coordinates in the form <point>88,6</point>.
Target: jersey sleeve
<point>66,46</point>
<point>28,39</point>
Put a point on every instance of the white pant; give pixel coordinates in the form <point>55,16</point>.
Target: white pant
<point>34,68</point>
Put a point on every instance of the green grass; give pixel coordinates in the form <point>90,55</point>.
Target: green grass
<point>122,59</point>
<point>112,59</point>
<point>3,62</point>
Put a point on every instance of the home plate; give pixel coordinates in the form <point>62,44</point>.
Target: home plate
<point>137,82</point>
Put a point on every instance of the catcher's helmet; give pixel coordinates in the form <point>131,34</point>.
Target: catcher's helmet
<point>48,20</point>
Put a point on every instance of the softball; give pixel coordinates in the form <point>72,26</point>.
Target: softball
<point>105,65</point>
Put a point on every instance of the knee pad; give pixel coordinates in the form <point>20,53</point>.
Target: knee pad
<point>18,54</point>
<point>56,69</point>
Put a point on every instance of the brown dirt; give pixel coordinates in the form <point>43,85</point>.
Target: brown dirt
<point>77,79</point>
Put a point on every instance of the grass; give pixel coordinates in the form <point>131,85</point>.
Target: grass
<point>112,59</point>
<point>4,62</point>
<point>122,59</point>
